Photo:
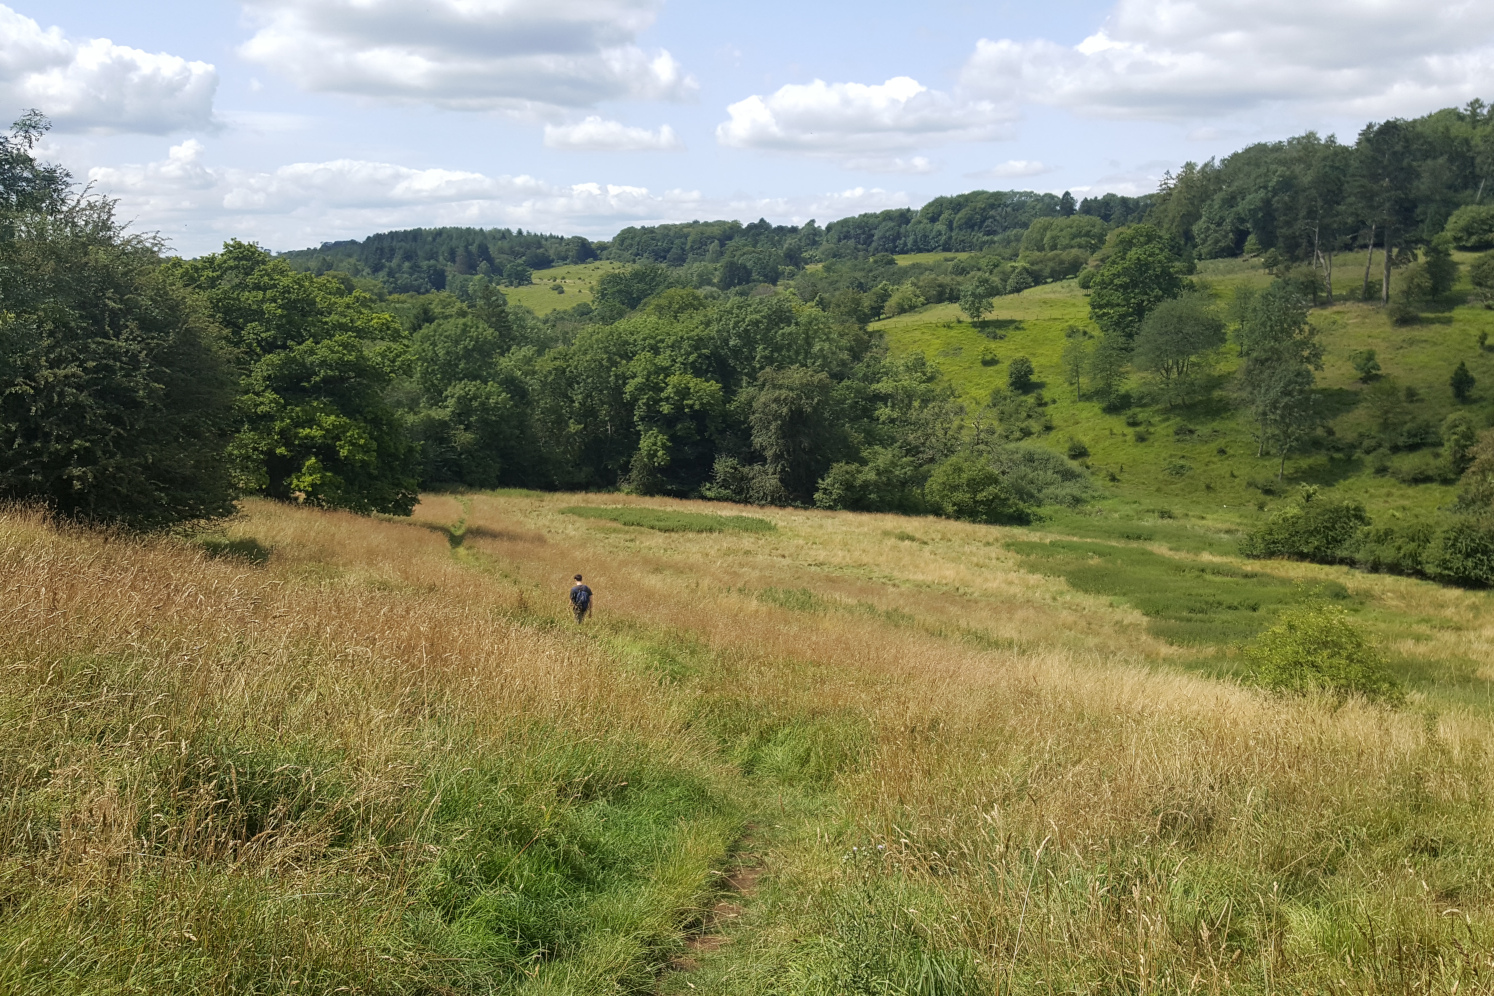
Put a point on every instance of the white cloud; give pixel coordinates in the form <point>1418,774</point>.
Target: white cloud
<point>198,206</point>
<point>912,165</point>
<point>1185,59</point>
<point>96,85</point>
<point>1014,168</point>
<point>508,55</point>
<point>851,121</point>
<point>597,134</point>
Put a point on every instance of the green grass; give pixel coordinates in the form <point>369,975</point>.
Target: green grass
<point>1186,602</point>
<point>578,282</point>
<point>672,522</point>
<point>1200,459</point>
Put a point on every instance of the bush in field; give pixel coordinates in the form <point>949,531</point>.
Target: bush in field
<point>967,486</point>
<point>1472,226</point>
<point>1019,375</point>
<point>1038,476</point>
<point>1481,275</point>
<point>1315,647</point>
<point>1399,548</point>
<point>903,300</point>
<point>886,482</point>
<point>1462,553</point>
<point>1462,382</point>
<point>1309,528</point>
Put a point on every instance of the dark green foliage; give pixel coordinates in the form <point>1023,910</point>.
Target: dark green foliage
<point>1142,268</point>
<point>1020,280</point>
<point>888,481</point>
<point>1393,548</point>
<point>1317,648</point>
<point>1462,553</point>
<point>1459,437</point>
<point>631,287</point>
<point>26,183</point>
<point>968,486</point>
<point>316,426</point>
<point>976,296</point>
<point>1311,528</point>
<point>1019,375</point>
<point>1472,227</point>
<point>1038,476</point>
<point>1365,364</point>
<point>422,260</point>
<point>115,391</point>
<point>667,521</point>
<point>1481,275</point>
<point>1076,231</point>
<point>1462,382</point>
<point>1175,340</point>
<point>1077,450</point>
<point>1281,350</point>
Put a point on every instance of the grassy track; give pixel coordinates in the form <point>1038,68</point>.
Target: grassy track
<point>382,759</point>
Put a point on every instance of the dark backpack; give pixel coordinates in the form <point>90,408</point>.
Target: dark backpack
<point>581,596</point>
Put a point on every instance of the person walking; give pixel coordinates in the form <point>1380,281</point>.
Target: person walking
<point>580,599</point>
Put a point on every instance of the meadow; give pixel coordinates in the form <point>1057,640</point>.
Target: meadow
<point>313,752</point>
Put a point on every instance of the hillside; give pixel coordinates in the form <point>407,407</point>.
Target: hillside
<point>1200,458</point>
<point>833,752</point>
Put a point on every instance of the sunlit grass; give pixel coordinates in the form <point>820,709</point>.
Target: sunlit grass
<point>384,761</point>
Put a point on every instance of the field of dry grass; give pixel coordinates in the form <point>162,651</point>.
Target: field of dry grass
<point>384,759</point>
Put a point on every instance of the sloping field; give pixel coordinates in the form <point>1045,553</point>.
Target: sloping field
<point>845,754</point>
<point>1202,456</point>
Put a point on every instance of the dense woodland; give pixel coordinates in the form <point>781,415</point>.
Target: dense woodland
<point>723,360</point>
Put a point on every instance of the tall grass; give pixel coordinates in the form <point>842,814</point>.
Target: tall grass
<point>385,761</point>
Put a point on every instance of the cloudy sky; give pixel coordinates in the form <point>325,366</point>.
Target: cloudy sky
<point>292,122</point>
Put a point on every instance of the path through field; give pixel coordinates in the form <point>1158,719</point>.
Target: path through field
<point>808,754</point>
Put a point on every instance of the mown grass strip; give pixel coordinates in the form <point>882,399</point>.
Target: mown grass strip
<point>665,521</point>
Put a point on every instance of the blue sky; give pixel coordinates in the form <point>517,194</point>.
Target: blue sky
<point>291,122</point>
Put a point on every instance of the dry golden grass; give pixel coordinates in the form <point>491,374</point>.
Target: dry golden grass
<point>1005,756</point>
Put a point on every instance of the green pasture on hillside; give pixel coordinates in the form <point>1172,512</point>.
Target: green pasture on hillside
<point>1202,458</point>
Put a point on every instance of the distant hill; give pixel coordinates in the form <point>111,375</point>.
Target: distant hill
<point>421,260</point>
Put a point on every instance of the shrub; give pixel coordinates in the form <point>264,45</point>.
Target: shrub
<point>988,356</point>
<point>1077,450</point>
<point>1399,548</point>
<point>1481,275</point>
<point>886,482</point>
<point>1020,280</point>
<point>1459,436</point>
<point>1401,312</point>
<point>116,394</point>
<point>1365,364</point>
<point>903,300</point>
<point>1038,476</point>
<point>1019,375</point>
<point>1462,382</point>
<point>1472,226</point>
<point>1316,648</point>
<point>967,486</point>
<point>1462,553</point>
<point>1086,277</point>
<point>1308,528</point>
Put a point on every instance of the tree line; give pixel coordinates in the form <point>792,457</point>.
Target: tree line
<point>148,390</point>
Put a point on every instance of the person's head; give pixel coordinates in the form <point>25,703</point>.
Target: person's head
<point>578,577</point>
